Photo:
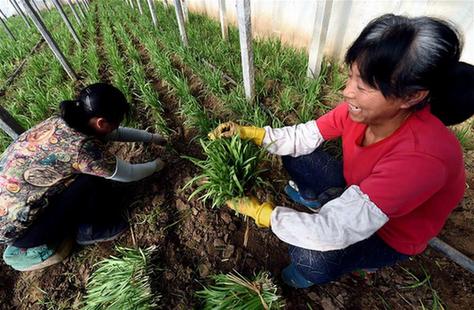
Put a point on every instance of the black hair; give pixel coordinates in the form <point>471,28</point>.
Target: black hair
<point>399,55</point>
<point>96,100</point>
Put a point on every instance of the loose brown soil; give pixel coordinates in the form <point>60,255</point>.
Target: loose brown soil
<point>103,72</point>
<point>194,241</point>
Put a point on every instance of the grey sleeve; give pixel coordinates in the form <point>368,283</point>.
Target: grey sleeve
<point>127,172</point>
<point>125,134</point>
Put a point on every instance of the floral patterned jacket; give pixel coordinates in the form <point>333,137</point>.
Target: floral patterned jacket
<point>40,164</point>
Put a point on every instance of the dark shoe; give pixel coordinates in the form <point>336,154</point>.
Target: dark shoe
<point>28,259</point>
<point>90,234</point>
<point>292,277</point>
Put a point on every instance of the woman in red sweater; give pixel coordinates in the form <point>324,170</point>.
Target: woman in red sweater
<point>402,171</point>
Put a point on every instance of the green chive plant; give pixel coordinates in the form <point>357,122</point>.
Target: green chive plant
<point>12,52</point>
<point>234,292</point>
<point>425,284</point>
<point>122,282</point>
<point>141,86</point>
<point>35,95</point>
<point>465,134</point>
<point>231,169</point>
<point>195,115</point>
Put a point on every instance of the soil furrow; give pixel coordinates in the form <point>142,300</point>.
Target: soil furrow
<point>103,70</point>
<point>165,196</point>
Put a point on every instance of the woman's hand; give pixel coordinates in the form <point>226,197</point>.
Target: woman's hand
<point>160,164</point>
<point>224,130</point>
<point>158,139</point>
<point>250,206</point>
<point>230,129</point>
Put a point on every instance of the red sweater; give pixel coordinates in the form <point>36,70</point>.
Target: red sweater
<point>415,176</point>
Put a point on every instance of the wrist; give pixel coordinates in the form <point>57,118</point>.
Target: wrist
<point>255,134</point>
<point>264,214</point>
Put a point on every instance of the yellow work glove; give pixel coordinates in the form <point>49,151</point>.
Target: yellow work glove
<point>251,207</point>
<point>230,129</point>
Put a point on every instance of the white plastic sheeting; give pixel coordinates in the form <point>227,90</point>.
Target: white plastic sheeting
<point>292,20</point>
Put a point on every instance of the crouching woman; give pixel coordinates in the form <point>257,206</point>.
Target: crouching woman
<point>57,179</point>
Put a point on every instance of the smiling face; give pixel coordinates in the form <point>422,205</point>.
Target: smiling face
<point>368,105</point>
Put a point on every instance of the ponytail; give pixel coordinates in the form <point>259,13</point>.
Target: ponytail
<point>75,116</point>
<point>452,100</point>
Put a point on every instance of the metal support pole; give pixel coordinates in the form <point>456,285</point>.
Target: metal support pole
<point>66,21</point>
<point>452,254</point>
<point>81,10</point>
<point>320,30</point>
<point>3,14</point>
<point>46,5</point>
<point>20,12</point>
<point>9,125</point>
<point>184,4</point>
<point>10,34</point>
<point>131,4</point>
<point>74,12</point>
<point>86,3</point>
<point>52,44</point>
<point>151,6</point>
<point>166,3</point>
<point>139,3</point>
<point>245,34</point>
<point>180,18</point>
<point>223,19</point>
<point>36,7</point>
<point>83,6</point>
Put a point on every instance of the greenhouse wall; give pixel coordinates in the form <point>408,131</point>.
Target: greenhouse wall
<point>293,21</point>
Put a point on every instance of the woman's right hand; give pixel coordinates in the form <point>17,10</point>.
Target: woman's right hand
<point>250,206</point>
<point>160,164</point>
<point>224,130</point>
<point>230,129</point>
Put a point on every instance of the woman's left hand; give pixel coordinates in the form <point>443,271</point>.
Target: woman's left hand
<point>158,139</point>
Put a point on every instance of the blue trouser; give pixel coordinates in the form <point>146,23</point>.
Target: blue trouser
<point>315,173</point>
